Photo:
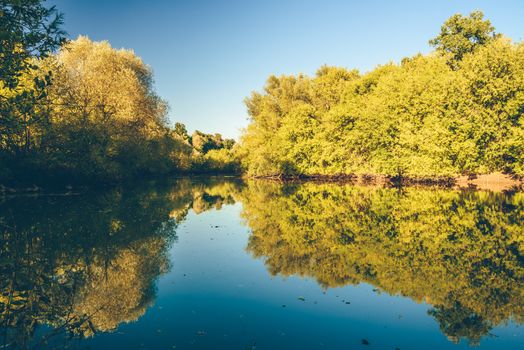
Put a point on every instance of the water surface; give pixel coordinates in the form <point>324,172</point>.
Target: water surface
<point>221,264</point>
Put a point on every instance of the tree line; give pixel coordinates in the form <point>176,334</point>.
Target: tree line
<point>80,110</point>
<point>455,111</point>
<point>84,110</point>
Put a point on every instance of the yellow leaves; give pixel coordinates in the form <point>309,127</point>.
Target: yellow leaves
<point>420,118</point>
<point>116,79</point>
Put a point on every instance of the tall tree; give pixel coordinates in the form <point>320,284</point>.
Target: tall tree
<point>460,35</point>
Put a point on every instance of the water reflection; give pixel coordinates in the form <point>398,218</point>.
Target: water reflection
<point>460,251</point>
<point>78,265</point>
<point>83,264</point>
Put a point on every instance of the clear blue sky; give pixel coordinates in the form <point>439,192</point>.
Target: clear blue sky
<point>207,56</point>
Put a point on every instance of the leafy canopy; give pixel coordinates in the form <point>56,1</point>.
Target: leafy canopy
<point>27,29</point>
<point>460,35</point>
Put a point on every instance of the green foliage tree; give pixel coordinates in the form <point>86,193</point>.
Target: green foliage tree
<point>203,142</point>
<point>213,154</point>
<point>422,118</point>
<point>27,30</point>
<point>460,35</point>
<point>180,130</point>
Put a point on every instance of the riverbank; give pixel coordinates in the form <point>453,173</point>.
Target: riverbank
<point>496,182</point>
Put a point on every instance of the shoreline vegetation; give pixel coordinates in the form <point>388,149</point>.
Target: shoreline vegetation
<point>447,116</point>
<point>495,182</point>
<point>81,113</point>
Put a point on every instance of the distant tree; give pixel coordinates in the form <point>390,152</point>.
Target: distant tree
<point>460,35</point>
<point>203,142</point>
<point>228,143</point>
<point>180,130</point>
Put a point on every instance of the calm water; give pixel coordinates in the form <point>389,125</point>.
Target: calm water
<point>220,264</point>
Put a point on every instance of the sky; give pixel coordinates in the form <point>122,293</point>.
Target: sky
<point>207,56</point>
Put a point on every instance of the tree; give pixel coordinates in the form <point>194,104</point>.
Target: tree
<point>229,143</point>
<point>203,142</point>
<point>423,118</point>
<point>180,130</point>
<point>106,119</point>
<point>28,30</point>
<point>460,35</point>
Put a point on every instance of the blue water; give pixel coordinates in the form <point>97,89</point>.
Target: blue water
<point>217,295</point>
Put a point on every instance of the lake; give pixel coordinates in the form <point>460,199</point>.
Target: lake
<point>217,263</point>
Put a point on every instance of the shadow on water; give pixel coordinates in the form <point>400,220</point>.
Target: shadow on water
<point>76,266</point>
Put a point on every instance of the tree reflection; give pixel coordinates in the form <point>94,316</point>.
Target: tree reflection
<point>460,251</point>
<point>84,264</point>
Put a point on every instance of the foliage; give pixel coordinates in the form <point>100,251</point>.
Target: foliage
<point>106,115</point>
<point>203,143</point>
<point>213,154</point>
<point>100,119</point>
<point>420,118</point>
<point>460,35</point>
<point>217,161</point>
<point>27,30</point>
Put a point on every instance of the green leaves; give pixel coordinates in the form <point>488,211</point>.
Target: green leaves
<point>27,29</point>
<point>420,118</point>
<point>460,35</point>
